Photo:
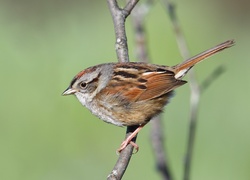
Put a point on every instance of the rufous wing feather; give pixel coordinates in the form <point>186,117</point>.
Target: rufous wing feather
<point>155,85</point>
<point>124,90</point>
<point>159,83</point>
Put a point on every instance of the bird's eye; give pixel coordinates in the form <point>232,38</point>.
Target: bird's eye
<point>83,85</point>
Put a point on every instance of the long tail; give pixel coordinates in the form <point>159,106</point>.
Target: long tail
<point>182,68</point>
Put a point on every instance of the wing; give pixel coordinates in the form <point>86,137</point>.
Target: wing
<point>159,83</point>
<point>138,82</point>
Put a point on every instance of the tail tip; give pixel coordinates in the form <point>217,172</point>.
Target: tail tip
<point>229,43</point>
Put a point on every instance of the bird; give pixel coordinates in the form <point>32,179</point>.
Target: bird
<point>132,93</point>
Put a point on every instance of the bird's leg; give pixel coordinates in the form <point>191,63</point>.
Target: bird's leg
<point>129,138</point>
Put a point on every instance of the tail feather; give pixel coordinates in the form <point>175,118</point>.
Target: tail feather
<point>182,68</point>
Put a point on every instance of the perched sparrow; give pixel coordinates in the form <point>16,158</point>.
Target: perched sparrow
<point>132,93</point>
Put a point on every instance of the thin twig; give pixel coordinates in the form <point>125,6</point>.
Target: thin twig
<point>157,137</point>
<point>210,79</point>
<point>119,17</point>
<point>194,87</point>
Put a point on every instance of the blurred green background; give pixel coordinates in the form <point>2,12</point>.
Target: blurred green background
<point>45,136</point>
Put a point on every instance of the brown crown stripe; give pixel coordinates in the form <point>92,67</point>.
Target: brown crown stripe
<point>125,74</point>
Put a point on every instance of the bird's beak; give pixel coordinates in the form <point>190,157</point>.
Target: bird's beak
<point>69,91</point>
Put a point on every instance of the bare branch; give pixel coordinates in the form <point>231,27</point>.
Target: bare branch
<point>124,158</point>
<point>119,17</point>
<point>157,137</point>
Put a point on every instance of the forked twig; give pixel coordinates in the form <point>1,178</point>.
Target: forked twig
<point>194,87</point>
<point>119,16</point>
